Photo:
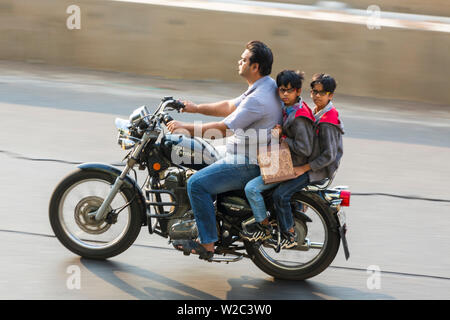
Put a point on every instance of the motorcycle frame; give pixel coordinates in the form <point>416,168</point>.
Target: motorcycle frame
<point>131,162</point>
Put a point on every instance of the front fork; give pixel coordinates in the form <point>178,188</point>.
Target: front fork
<point>101,212</point>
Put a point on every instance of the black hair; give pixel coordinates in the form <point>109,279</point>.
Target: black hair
<point>328,83</point>
<point>295,78</point>
<point>261,54</point>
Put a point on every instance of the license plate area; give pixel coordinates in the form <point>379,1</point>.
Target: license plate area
<point>342,219</point>
<point>343,231</point>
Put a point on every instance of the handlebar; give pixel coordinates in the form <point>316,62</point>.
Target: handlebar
<point>171,103</point>
<point>142,120</point>
<point>178,105</point>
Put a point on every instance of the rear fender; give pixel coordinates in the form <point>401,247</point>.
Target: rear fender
<point>319,200</point>
<point>128,183</point>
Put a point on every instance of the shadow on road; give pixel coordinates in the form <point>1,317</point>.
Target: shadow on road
<point>274,289</point>
<point>107,270</point>
<point>244,287</point>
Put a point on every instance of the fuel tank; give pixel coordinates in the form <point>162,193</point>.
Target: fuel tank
<point>190,152</point>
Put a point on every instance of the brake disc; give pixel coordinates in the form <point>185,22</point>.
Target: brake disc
<point>87,222</point>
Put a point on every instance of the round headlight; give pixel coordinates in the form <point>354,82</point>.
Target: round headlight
<point>139,114</point>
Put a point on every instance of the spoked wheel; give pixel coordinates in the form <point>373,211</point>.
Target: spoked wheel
<point>318,244</point>
<point>72,204</point>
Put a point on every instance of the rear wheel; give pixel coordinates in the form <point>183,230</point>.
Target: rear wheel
<point>317,246</point>
<point>81,193</point>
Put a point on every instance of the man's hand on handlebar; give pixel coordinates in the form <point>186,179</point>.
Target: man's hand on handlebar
<point>189,107</point>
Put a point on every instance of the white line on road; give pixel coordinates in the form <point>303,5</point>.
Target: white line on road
<point>405,121</point>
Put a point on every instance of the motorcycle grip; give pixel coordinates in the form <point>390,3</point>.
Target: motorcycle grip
<point>178,105</point>
<point>166,119</point>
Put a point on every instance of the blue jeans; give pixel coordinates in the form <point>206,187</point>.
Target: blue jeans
<point>253,191</point>
<point>231,173</point>
<point>282,199</point>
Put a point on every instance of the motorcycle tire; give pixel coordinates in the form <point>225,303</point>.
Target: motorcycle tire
<point>127,237</point>
<point>330,249</point>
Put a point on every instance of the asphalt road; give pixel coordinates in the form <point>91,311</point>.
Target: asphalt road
<point>396,163</point>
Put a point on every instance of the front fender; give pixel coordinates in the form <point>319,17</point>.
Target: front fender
<point>128,183</point>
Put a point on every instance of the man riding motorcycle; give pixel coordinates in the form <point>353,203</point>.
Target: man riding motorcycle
<point>257,110</point>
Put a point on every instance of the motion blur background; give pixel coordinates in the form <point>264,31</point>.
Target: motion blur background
<point>61,88</point>
<point>375,48</point>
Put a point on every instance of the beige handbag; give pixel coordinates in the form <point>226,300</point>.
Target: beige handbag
<point>276,163</point>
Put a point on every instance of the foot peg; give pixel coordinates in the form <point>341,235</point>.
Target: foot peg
<point>227,259</point>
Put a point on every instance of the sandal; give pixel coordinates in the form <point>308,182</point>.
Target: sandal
<point>191,246</point>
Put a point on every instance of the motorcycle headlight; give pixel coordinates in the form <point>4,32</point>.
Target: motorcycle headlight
<point>125,143</point>
<point>125,138</point>
<point>139,114</point>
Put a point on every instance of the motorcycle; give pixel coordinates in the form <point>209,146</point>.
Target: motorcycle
<point>97,211</point>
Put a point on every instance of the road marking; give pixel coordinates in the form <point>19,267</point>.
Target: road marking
<point>386,119</point>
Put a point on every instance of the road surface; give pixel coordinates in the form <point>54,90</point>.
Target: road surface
<point>396,163</point>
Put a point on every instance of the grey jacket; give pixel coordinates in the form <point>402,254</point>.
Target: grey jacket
<point>328,147</point>
<point>299,130</point>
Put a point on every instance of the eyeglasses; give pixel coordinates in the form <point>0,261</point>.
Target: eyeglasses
<point>283,90</point>
<point>320,93</point>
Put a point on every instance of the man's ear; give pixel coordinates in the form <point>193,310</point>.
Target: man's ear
<point>255,67</point>
<point>299,92</point>
<point>330,96</point>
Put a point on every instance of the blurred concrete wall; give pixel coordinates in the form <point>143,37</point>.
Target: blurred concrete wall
<point>198,44</point>
<point>425,7</point>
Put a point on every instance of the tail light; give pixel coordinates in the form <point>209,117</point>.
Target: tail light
<point>345,196</point>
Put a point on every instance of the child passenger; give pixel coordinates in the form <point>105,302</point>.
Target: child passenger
<point>324,159</point>
<point>298,132</point>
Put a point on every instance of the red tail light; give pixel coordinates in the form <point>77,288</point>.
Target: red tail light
<point>345,196</point>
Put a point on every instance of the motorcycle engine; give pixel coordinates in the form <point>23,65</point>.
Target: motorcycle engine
<point>184,228</point>
<point>174,180</point>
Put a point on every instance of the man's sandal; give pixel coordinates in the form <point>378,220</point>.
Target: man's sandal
<point>191,246</point>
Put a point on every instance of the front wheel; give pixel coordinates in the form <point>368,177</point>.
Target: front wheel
<point>317,246</point>
<point>81,193</point>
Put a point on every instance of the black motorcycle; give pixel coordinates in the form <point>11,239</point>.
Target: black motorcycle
<point>98,210</point>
